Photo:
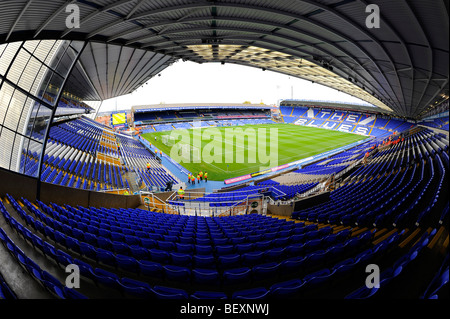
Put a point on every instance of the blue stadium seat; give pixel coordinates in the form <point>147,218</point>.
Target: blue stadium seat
<point>250,259</point>
<point>166,245</point>
<point>132,240</point>
<point>275,254</point>
<point>73,244</point>
<point>136,289</point>
<point>237,276</point>
<point>263,245</point>
<point>63,259</point>
<point>206,276</point>
<point>127,263</point>
<point>86,269</point>
<point>209,295</point>
<point>362,293</point>
<point>150,269</point>
<point>104,243</point>
<point>148,243</point>
<point>177,273</point>
<point>184,248</point>
<point>222,250</point>
<point>162,292</point>
<point>229,261</point>
<point>181,259</point>
<point>120,248</point>
<point>88,251</point>
<point>266,271</point>
<point>204,261</point>
<point>253,293</point>
<point>106,279</point>
<point>106,257</point>
<point>203,249</point>
<point>139,252</point>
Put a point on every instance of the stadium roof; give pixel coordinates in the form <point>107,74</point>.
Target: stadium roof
<point>111,70</point>
<point>336,106</point>
<point>198,106</point>
<point>400,66</point>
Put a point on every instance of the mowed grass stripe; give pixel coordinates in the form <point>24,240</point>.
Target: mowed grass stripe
<point>294,143</point>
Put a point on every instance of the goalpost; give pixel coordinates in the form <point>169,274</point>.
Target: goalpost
<point>168,140</point>
<point>189,152</point>
<point>196,154</point>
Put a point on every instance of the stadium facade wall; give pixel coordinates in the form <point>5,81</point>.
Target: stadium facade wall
<point>18,185</point>
<point>29,74</point>
<point>280,210</point>
<point>311,201</point>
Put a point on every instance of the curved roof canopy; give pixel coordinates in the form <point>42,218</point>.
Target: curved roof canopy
<point>106,70</point>
<point>401,66</point>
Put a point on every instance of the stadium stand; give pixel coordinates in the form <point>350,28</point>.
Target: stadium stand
<point>440,123</point>
<point>77,155</point>
<point>136,157</point>
<point>379,204</point>
<point>83,155</point>
<point>150,119</point>
<point>366,124</point>
<point>119,250</point>
<point>410,168</point>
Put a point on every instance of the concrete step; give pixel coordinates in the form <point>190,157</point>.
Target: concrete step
<point>23,284</point>
<point>131,178</point>
<point>28,282</point>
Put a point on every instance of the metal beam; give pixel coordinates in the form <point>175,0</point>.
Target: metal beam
<point>317,78</point>
<point>430,60</point>
<point>52,116</point>
<point>98,12</point>
<point>232,39</point>
<point>367,34</point>
<point>53,16</point>
<point>126,67</point>
<point>83,70</point>
<point>316,23</point>
<point>27,5</point>
<point>150,71</point>
<point>134,68</point>
<point>403,43</point>
<point>135,8</point>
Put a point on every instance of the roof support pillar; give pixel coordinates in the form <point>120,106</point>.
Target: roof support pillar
<point>52,116</point>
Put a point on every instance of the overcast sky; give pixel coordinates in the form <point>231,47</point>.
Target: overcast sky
<point>188,82</point>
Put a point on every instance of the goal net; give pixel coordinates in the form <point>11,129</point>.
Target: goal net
<point>190,152</point>
<point>168,140</point>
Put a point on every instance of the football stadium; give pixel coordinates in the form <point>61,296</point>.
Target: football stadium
<point>232,202</point>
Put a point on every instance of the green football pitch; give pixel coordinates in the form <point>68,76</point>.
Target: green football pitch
<point>227,152</point>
